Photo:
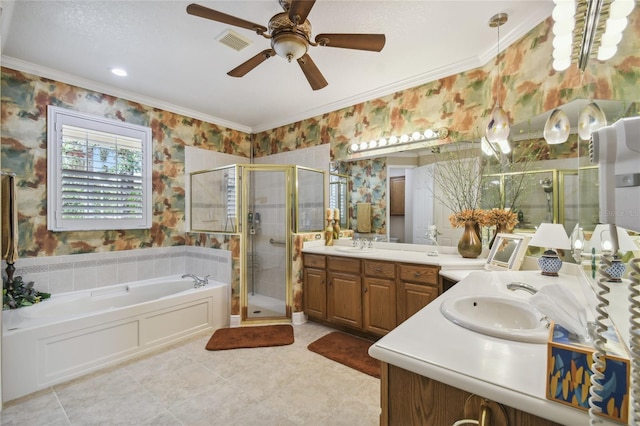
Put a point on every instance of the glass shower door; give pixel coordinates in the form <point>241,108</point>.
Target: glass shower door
<point>266,225</point>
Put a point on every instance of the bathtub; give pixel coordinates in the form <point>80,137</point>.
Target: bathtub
<point>73,334</point>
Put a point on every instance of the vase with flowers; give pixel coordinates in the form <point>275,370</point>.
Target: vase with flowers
<point>457,175</point>
<point>470,244</point>
<point>503,219</point>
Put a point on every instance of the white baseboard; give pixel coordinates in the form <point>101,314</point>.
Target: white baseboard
<point>234,321</point>
<point>298,318</point>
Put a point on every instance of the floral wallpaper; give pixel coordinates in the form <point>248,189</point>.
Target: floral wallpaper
<point>24,151</point>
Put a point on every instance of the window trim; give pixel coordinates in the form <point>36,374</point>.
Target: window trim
<point>56,118</point>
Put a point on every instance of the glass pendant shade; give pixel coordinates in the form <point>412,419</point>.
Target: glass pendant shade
<point>557,128</point>
<point>590,119</point>
<point>498,127</point>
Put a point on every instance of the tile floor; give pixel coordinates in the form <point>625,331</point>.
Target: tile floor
<point>188,385</point>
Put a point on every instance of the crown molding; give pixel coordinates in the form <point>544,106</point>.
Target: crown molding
<point>31,68</point>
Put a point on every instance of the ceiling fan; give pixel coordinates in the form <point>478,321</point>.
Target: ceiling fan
<point>290,34</point>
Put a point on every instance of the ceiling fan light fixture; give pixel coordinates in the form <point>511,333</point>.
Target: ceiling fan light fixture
<point>289,45</point>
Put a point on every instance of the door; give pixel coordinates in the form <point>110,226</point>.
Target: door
<point>266,223</point>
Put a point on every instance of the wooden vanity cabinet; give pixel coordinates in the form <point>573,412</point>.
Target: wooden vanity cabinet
<point>379,302</point>
<point>417,287</point>
<point>366,295</point>
<point>344,294</point>
<point>314,293</point>
<point>408,398</point>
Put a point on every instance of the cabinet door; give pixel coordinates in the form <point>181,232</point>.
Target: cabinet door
<point>315,293</point>
<point>379,305</point>
<point>413,297</point>
<point>344,299</point>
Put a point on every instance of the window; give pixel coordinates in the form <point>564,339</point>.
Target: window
<point>99,173</point>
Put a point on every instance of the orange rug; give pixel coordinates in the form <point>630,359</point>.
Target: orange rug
<point>251,337</point>
<point>348,350</point>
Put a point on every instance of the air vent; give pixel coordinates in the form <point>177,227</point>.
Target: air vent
<point>234,40</point>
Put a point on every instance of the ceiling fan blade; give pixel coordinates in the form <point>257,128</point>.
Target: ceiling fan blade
<point>373,42</point>
<point>311,71</point>
<point>300,9</point>
<point>253,62</point>
<point>214,15</point>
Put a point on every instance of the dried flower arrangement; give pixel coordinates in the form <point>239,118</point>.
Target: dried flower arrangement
<point>501,217</point>
<point>458,219</point>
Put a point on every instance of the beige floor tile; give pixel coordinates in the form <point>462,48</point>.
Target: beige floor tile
<point>187,385</point>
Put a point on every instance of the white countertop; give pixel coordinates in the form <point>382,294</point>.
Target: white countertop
<point>508,372</point>
<point>397,252</point>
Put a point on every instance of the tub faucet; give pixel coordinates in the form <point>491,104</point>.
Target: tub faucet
<point>197,282</point>
<point>522,286</point>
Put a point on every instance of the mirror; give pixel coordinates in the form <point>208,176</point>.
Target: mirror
<point>507,252</point>
<point>559,182</point>
<point>339,197</point>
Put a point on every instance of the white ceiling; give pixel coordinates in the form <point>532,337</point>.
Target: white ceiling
<point>175,63</point>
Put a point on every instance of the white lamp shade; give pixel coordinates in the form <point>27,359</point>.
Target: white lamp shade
<point>601,232</point>
<point>552,236</point>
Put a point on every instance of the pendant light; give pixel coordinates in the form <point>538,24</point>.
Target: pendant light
<point>498,127</point>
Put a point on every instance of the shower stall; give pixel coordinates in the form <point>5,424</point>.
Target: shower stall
<point>264,206</point>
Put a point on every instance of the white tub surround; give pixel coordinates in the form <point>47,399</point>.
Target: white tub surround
<point>446,257</point>
<point>73,334</point>
<point>508,372</point>
<point>62,274</point>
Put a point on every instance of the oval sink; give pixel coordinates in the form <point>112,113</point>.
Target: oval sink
<point>355,249</point>
<point>501,317</point>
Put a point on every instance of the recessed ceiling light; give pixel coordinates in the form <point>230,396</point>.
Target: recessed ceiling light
<point>119,72</point>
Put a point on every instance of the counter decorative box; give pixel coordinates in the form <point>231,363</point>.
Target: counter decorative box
<point>569,373</point>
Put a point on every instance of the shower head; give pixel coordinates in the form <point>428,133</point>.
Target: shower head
<point>547,184</point>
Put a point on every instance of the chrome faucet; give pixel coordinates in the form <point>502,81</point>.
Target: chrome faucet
<point>516,285</point>
<point>197,282</point>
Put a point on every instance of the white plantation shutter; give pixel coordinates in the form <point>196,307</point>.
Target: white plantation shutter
<point>99,173</point>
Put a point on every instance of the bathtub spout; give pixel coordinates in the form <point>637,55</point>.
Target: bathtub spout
<point>197,282</point>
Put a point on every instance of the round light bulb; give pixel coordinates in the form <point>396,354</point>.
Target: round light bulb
<point>382,142</point>
<point>620,8</point>
<point>563,11</point>
<point>373,143</point>
<point>354,147</point>
<point>562,52</point>
<point>393,140</point>
<point>562,40</point>
<point>404,138</point>
<point>363,145</point>
<point>615,25</point>
<point>610,39</point>
<point>564,27</point>
<point>606,52</point>
<point>429,134</point>
<point>416,136</point>
<point>561,64</point>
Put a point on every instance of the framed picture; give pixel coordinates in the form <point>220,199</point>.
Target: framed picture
<point>507,252</point>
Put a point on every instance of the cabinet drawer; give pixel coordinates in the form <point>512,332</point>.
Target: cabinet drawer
<point>419,274</point>
<point>380,269</point>
<point>344,264</point>
<point>315,260</point>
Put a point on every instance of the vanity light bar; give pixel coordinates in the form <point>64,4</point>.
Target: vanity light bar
<point>581,32</point>
<point>405,139</point>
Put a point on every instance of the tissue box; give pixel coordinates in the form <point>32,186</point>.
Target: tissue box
<point>569,369</point>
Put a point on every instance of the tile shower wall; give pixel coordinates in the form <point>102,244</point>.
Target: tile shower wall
<point>62,274</point>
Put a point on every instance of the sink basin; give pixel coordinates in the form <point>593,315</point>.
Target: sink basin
<point>355,249</point>
<point>501,317</point>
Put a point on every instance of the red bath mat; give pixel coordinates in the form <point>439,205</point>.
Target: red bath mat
<point>251,337</point>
